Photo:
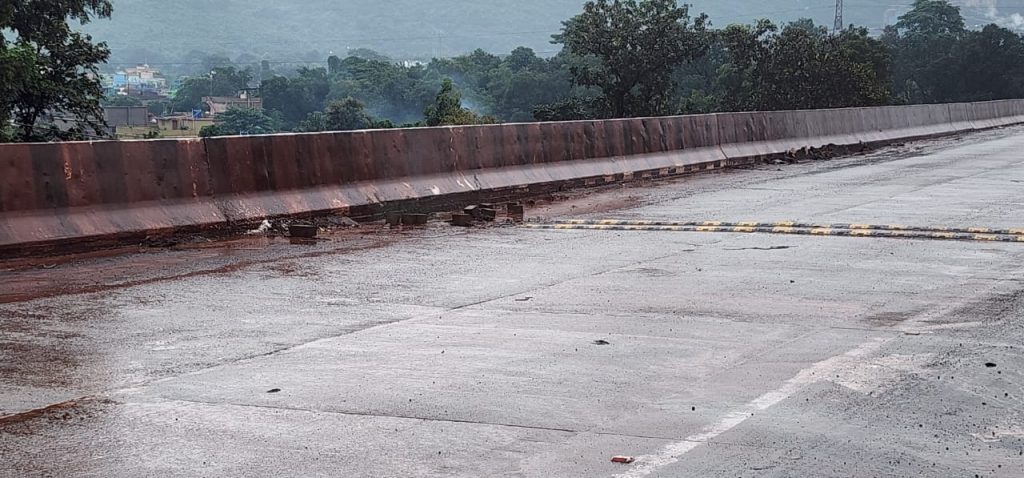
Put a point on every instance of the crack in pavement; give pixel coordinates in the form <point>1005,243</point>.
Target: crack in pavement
<point>425,419</point>
<point>771,248</point>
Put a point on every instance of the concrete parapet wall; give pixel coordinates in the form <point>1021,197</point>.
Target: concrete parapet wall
<point>82,192</point>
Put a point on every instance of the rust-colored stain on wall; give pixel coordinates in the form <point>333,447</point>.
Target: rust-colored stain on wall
<point>57,193</point>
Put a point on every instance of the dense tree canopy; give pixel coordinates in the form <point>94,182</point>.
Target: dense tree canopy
<point>634,47</point>
<point>924,41</point>
<point>802,67</point>
<point>293,98</point>
<point>244,121</point>
<point>989,64</point>
<point>48,70</point>
<point>221,81</point>
<point>646,57</point>
<point>346,115</point>
<point>447,110</point>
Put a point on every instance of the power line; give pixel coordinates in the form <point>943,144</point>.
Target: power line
<point>839,17</point>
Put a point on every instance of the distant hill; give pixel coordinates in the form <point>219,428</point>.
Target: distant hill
<point>284,31</point>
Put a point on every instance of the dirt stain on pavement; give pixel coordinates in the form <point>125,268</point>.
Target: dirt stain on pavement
<point>27,279</point>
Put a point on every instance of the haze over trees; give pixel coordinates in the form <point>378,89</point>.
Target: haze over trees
<point>236,121</point>
<point>291,33</point>
<point>651,57</point>
<point>613,58</point>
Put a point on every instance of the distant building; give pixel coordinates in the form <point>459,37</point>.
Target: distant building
<point>140,81</point>
<point>219,104</point>
<point>116,117</point>
<point>120,116</point>
<point>140,75</point>
<point>182,125</point>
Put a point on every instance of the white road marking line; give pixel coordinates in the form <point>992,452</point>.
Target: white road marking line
<point>820,371</point>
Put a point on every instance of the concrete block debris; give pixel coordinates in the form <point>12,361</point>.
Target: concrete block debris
<point>462,220</point>
<point>393,219</point>
<point>302,230</point>
<point>414,219</point>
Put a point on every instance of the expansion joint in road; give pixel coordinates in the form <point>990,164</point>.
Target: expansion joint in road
<point>796,228</point>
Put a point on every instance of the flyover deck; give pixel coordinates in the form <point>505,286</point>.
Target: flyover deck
<point>515,352</point>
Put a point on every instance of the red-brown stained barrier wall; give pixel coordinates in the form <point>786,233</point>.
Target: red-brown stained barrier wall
<point>53,193</point>
<point>71,193</point>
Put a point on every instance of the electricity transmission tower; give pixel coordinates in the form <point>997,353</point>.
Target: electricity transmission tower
<point>839,17</point>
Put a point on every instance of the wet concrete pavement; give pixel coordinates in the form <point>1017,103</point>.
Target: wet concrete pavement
<point>513,352</point>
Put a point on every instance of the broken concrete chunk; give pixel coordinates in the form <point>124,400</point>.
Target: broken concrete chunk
<point>342,221</point>
<point>488,214</point>
<point>393,219</point>
<point>516,211</point>
<point>462,220</point>
<point>264,228</point>
<point>414,219</point>
<point>302,230</point>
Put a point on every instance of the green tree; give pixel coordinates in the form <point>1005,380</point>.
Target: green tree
<point>923,41</point>
<point>221,81</point>
<point>296,97</point>
<point>570,109</point>
<point>18,73</point>
<point>341,115</point>
<point>930,18</point>
<point>508,87</point>
<point>989,65</point>
<point>158,108</point>
<point>802,67</point>
<point>749,48</point>
<point>212,131</point>
<point>346,115</point>
<point>524,81</point>
<point>6,133</point>
<point>242,121</point>
<point>699,102</point>
<point>368,54</point>
<point>47,68</point>
<point>635,45</point>
<point>447,110</point>
<point>697,82</point>
<point>314,122</point>
<point>333,65</point>
<point>523,58</point>
<point>389,90</point>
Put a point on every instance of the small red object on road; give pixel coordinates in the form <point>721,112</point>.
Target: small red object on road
<point>623,459</point>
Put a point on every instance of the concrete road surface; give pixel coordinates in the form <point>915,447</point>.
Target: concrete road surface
<point>504,351</point>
